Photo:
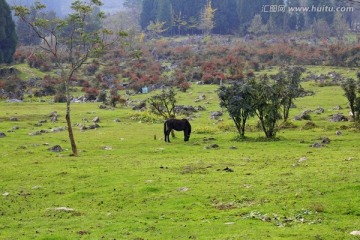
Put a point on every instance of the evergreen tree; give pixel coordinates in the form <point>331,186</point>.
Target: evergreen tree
<point>226,19</point>
<point>164,14</point>
<point>8,37</point>
<point>148,13</point>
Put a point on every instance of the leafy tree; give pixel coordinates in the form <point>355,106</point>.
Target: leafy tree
<point>351,90</point>
<point>156,29</point>
<point>69,51</point>
<point>179,22</point>
<point>207,19</point>
<point>8,37</point>
<point>163,104</point>
<point>164,14</point>
<point>288,81</point>
<point>238,101</point>
<point>321,29</point>
<point>267,103</point>
<point>256,26</point>
<point>340,26</point>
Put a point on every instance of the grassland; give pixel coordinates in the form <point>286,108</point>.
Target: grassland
<point>127,185</point>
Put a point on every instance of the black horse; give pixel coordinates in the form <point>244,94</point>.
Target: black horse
<point>178,125</point>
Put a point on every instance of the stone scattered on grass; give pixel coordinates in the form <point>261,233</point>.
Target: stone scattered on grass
<point>319,110</point>
<point>183,189</point>
<point>229,223</point>
<point>212,146</point>
<point>94,126</point>
<point>107,148</point>
<point>96,119</point>
<point>58,129</point>
<point>62,209</point>
<point>316,145</point>
<point>305,115</point>
<point>338,133</point>
<point>216,115</point>
<point>206,139</point>
<point>14,119</point>
<point>338,118</point>
<point>56,148</point>
<point>325,140</point>
<point>5,194</point>
<point>355,233</point>
<point>35,133</point>
<point>302,159</point>
<point>227,169</point>
<point>2,135</point>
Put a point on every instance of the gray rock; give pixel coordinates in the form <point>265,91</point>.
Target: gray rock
<point>338,118</point>
<point>2,135</point>
<point>325,140</point>
<point>216,115</point>
<point>96,119</point>
<point>212,146</point>
<point>316,145</point>
<point>56,148</point>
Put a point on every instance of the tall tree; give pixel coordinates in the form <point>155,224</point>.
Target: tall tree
<point>164,14</point>
<point>207,18</point>
<point>148,13</point>
<point>351,89</point>
<point>69,51</point>
<point>226,19</point>
<point>238,101</point>
<point>267,98</point>
<point>288,81</point>
<point>8,37</point>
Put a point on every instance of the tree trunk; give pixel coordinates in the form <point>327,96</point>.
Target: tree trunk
<point>68,118</point>
<point>70,131</point>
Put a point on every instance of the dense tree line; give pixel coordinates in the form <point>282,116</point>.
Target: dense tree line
<point>236,16</point>
<point>8,37</point>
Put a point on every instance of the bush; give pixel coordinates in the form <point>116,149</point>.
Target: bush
<point>309,125</point>
<point>60,98</point>
<point>146,117</point>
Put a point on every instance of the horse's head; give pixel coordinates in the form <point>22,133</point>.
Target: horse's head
<point>187,130</point>
<point>186,137</point>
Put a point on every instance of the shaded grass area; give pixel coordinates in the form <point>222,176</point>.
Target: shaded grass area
<point>141,188</point>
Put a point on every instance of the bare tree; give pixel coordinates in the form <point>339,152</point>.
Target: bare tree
<point>70,42</point>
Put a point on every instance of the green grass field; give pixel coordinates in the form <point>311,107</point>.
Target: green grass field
<point>127,185</point>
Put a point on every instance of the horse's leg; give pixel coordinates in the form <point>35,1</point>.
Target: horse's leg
<point>167,135</point>
<point>165,131</point>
